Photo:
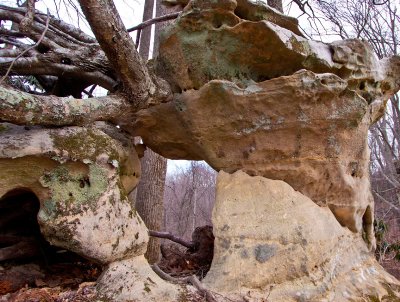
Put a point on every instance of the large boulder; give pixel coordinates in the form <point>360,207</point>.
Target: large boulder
<point>245,42</point>
<point>274,243</point>
<point>81,177</point>
<point>307,129</point>
<point>255,96</point>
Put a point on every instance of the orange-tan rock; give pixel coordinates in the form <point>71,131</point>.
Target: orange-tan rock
<point>255,96</point>
<point>275,244</point>
<point>307,129</point>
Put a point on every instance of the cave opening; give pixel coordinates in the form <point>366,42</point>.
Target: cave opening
<point>26,258</point>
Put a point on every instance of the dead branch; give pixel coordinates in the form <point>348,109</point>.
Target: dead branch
<point>193,280</point>
<point>169,236</point>
<point>391,205</point>
<point>64,52</point>
<point>62,26</point>
<point>71,31</point>
<point>59,63</point>
<point>26,50</point>
<point>57,111</point>
<point>153,21</point>
<point>375,2</point>
<point>30,13</point>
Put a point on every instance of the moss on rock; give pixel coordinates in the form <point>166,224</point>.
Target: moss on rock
<point>71,189</point>
<point>86,144</point>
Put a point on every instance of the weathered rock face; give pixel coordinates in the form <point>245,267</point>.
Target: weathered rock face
<point>306,129</point>
<point>260,98</point>
<point>271,241</point>
<point>81,177</point>
<point>242,43</point>
<point>75,174</point>
<point>132,279</point>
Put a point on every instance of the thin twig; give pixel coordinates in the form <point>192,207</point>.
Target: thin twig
<point>377,3</point>
<point>166,235</point>
<point>29,48</point>
<point>92,89</point>
<point>385,201</point>
<point>139,32</point>
<point>154,20</point>
<point>87,93</point>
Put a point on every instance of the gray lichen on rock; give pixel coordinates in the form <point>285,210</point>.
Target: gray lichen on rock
<point>264,252</point>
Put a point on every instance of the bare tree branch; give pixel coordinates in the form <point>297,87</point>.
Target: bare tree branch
<point>56,111</point>
<point>191,280</point>
<point>391,205</point>
<point>153,21</point>
<point>83,65</point>
<point>375,2</point>
<point>171,237</point>
<point>120,51</point>
<point>26,50</point>
<point>65,51</point>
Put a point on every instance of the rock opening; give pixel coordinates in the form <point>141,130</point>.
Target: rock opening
<point>26,258</point>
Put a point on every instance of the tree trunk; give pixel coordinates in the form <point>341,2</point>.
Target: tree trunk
<point>145,36</point>
<point>149,198</point>
<point>277,4</point>
<point>150,191</point>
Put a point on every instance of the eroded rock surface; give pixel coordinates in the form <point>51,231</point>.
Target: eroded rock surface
<point>243,43</point>
<point>307,129</point>
<point>271,241</point>
<point>255,96</point>
<point>81,177</point>
<point>132,279</point>
<point>75,174</point>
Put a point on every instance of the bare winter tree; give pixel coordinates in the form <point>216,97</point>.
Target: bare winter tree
<point>189,199</point>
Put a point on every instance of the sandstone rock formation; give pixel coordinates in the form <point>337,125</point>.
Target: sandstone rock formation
<point>251,94</point>
<point>276,244</point>
<point>81,177</point>
<point>255,96</point>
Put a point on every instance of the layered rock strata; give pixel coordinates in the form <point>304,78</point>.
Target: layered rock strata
<point>255,96</point>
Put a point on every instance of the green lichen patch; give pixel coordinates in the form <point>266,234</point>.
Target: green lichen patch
<point>14,97</point>
<point>86,144</point>
<point>70,190</point>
